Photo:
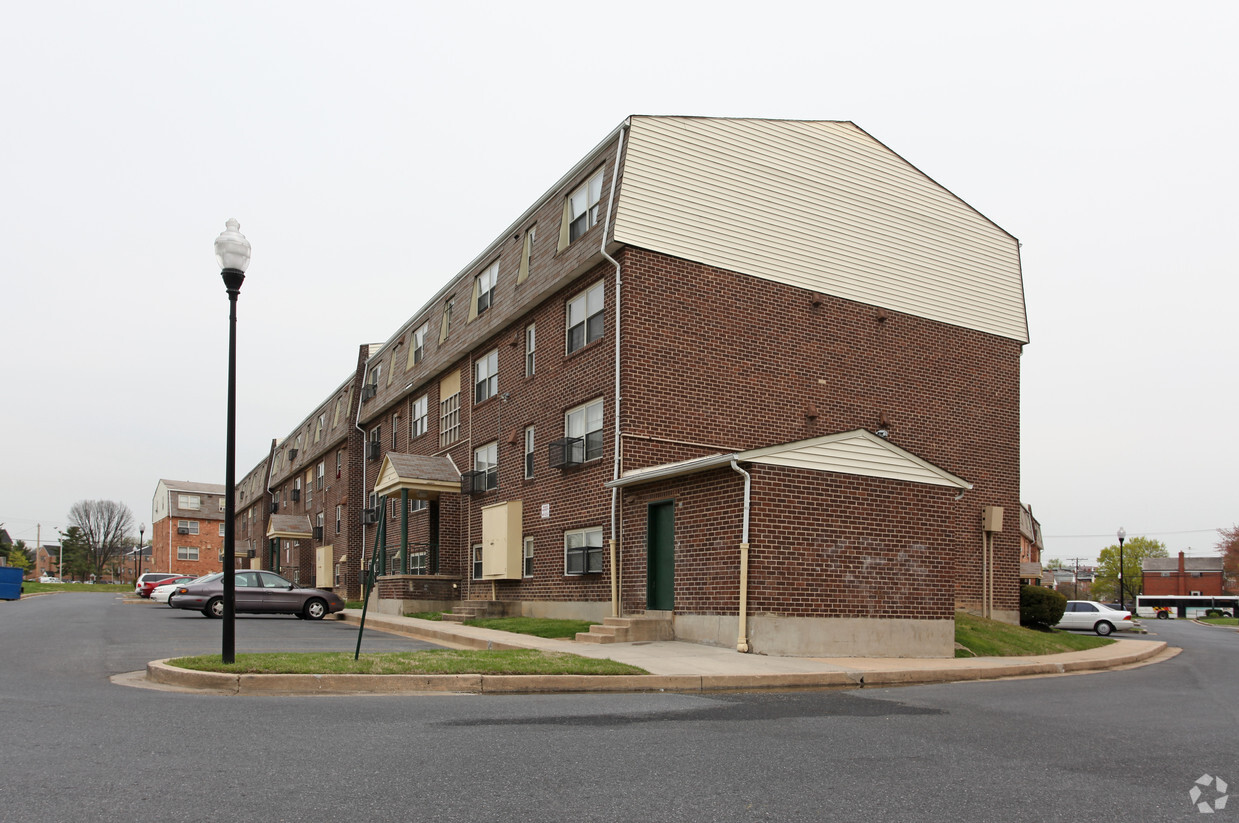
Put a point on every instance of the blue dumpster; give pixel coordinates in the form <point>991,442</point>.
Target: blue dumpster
<point>10,583</point>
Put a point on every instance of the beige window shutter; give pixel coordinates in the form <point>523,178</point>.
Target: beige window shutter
<point>473,302</point>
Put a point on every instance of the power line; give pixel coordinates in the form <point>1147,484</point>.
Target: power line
<point>1132,533</point>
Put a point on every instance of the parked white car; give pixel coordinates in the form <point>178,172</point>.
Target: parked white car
<point>163,591</point>
<point>1089,615</point>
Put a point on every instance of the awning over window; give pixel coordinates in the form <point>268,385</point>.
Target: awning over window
<point>423,476</point>
<point>290,527</point>
<point>858,452</point>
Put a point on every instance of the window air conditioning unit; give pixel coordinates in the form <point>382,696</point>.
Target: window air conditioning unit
<point>318,532</point>
<point>292,454</point>
<point>375,448</point>
<point>249,552</point>
<point>369,516</point>
<point>567,451</point>
<point>182,529</point>
<point>472,482</point>
<point>296,495</point>
<point>369,390</point>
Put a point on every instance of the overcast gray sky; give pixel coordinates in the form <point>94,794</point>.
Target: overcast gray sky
<point>371,150</point>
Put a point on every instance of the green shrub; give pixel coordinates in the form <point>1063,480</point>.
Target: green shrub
<point>1041,608</point>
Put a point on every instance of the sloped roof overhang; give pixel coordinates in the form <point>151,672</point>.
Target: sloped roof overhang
<point>857,452</point>
<point>422,475</point>
<point>290,527</point>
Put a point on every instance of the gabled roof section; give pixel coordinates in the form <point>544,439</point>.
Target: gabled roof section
<point>190,486</point>
<point>290,527</point>
<point>416,473</point>
<point>856,452</point>
<point>823,206</point>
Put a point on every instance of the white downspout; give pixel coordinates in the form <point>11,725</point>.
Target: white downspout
<point>606,229</point>
<point>742,640</point>
<point>365,495</point>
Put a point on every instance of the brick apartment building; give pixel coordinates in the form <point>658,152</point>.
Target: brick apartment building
<point>187,527</point>
<point>1031,545</point>
<point>759,378</point>
<point>1200,576</point>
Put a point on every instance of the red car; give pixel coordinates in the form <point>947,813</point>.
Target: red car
<point>150,580</point>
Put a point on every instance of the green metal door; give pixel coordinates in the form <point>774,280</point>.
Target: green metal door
<point>660,557</point>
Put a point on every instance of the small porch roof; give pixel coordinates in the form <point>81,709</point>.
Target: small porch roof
<point>423,475</point>
<point>290,527</point>
<point>857,452</point>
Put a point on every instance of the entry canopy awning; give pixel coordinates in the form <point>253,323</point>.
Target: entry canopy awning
<point>423,476</point>
<point>858,452</point>
<point>290,527</point>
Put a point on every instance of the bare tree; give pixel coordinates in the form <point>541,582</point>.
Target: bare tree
<point>105,525</point>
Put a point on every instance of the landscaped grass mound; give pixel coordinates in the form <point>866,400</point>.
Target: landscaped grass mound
<point>989,638</point>
<point>433,661</point>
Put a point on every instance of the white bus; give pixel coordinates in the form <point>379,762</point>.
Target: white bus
<point>1186,606</point>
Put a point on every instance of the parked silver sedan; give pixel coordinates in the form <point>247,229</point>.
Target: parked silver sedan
<point>257,592</point>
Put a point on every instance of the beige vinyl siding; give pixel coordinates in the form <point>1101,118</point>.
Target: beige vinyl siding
<point>858,452</point>
<point>821,206</point>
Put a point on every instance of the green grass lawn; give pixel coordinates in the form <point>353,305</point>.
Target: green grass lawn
<point>1220,621</point>
<point>434,661</point>
<point>97,588</point>
<point>536,626</point>
<point>989,638</point>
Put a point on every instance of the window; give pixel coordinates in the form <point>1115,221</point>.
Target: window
<point>486,377</point>
<point>418,427</point>
<point>309,487</point>
<point>395,427</point>
<point>583,551</point>
<point>319,522</point>
<point>191,525</point>
<point>339,463</point>
<point>339,517</point>
<point>585,423</point>
<point>320,479</point>
<point>449,419</point>
<point>189,501</point>
<point>322,423</point>
<point>445,325</point>
<point>531,344</point>
<point>417,352</point>
<point>585,317</point>
<point>186,552</point>
<point>417,504</point>
<point>477,562</point>
<point>529,452</point>
<point>376,442</point>
<point>527,562</point>
<point>221,526</point>
<point>221,504</point>
<point>486,460</point>
<point>484,288</point>
<point>526,253</point>
<point>581,209</point>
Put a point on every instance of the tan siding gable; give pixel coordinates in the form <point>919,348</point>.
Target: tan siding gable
<point>821,206</point>
<point>857,452</point>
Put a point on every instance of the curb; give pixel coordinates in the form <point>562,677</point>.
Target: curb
<point>158,671</point>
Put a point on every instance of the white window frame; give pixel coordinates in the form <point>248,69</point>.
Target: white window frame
<point>531,348</point>
<point>477,561</point>
<point>419,424</point>
<point>339,517</point>
<point>485,286</point>
<point>189,501</point>
<point>192,525</point>
<point>586,314</point>
<point>339,463</point>
<point>581,542</point>
<point>585,420</point>
<point>529,452</point>
<point>583,206</point>
<point>486,460</point>
<point>221,526</point>
<point>527,558</point>
<point>486,376</point>
<point>419,343</point>
<point>187,553</point>
<point>320,478</point>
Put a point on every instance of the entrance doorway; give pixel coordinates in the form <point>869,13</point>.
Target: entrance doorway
<point>660,556</point>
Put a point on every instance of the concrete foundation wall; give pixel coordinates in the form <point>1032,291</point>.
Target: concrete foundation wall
<point>566,610</point>
<point>824,636</point>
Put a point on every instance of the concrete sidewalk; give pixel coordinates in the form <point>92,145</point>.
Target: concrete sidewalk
<point>672,666</point>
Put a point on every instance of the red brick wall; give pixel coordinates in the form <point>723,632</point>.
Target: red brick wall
<point>208,542</point>
<point>716,361</point>
<point>1209,584</point>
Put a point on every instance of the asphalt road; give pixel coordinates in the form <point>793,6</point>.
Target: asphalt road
<point>1114,746</point>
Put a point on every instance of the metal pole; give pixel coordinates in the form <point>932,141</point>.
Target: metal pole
<point>1121,601</point>
<point>232,280</point>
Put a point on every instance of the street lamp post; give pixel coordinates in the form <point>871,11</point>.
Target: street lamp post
<point>137,558</point>
<point>232,252</point>
<point>1122,537</point>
